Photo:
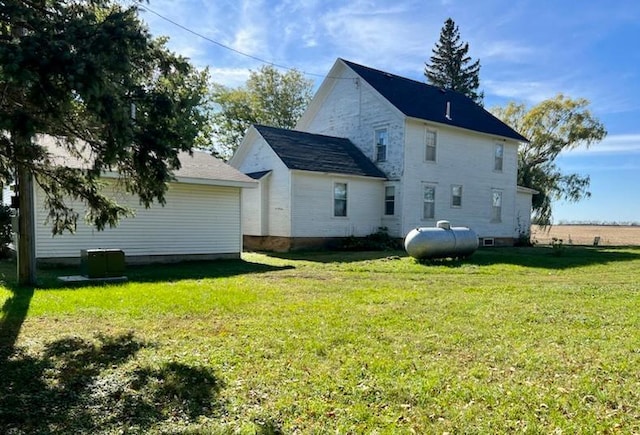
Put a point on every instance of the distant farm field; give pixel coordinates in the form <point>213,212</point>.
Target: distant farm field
<point>609,235</point>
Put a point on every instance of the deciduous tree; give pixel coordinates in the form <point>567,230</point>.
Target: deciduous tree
<point>269,97</point>
<point>552,126</point>
<point>88,73</point>
<point>450,66</point>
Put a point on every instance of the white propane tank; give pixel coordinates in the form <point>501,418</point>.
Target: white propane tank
<point>441,241</point>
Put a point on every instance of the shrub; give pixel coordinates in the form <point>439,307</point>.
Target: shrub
<point>557,247</point>
<point>524,239</point>
<point>524,235</point>
<point>378,241</point>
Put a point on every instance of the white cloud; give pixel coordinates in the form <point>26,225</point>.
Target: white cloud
<point>248,40</point>
<point>531,92</point>
<point>510,51</point>
<point>230,77</point>
<point>250,31</point>
<point>377,36</point>
<point>614,144</point>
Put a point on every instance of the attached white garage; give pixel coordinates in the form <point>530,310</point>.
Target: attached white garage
<point>200,220</point>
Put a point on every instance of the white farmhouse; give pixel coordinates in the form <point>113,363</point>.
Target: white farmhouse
<point>377,150</point>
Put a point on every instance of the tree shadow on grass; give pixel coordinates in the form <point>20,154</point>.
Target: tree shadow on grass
<point>78,386</point>
<point>538,257</point>
<point>149,273</point>
<point>567,257</point>
<point>336,256</point>
<point>12,316</point>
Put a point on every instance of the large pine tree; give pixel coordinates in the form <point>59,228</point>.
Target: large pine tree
<point>451,67</point>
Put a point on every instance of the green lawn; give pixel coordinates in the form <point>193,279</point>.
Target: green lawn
<point>510,340</point>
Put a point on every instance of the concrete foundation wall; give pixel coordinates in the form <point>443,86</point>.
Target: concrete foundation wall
<point>143,259</point>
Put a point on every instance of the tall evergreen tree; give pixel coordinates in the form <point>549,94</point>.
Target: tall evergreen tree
<point>451,67</point>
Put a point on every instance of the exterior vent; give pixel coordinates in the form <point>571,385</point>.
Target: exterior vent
<point>488,241</point>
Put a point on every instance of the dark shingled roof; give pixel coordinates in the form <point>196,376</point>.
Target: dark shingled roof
<point>423,101</point>
<point>258,175</point>
<point>318,153</point>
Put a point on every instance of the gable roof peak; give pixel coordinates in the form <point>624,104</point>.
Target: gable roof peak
<point>431,103</point>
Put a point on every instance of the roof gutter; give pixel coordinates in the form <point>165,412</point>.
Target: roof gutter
<point>338,174</point>
<point>492,135</point>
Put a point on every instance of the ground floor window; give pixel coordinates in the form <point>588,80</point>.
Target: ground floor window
<point>340,199</point>
<point>456,195</point>
<point>496,206</point>
<point>389,200</point>
<point>429,202</point>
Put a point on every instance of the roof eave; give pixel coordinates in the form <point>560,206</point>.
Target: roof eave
<point>340,174</point>
<point>494,135</point>
<point>523,189</point>
<point>221,183</point>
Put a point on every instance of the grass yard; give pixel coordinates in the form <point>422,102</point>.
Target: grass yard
<point>511,340</point>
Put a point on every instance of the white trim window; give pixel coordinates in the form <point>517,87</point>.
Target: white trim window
<point>496,206</point>
<point>456,195</point>
<point>381,142</point>
<point>429,202</point>
<point>498,157</point>
<point>339,199</point>
<point>389,200</point>
<point>430,140</point>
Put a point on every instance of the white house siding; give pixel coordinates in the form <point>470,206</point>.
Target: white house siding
<point>349,107</point>
<point>255,209</point>
<point>251,210</point>
<point>196,219</point>
<point>313,205</point>
<point>522,222</point>
<point>260,157</point>
<point>465,159</point>
<point>393,223</point>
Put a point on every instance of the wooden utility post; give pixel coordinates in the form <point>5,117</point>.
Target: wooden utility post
<point>26,218</point>
<point>26,228</point>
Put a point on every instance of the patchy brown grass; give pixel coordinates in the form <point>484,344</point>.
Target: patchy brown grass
<point>610,235</point>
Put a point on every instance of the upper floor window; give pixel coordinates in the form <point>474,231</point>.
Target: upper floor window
<point>430,145</point>
<point>382,139</point>
<point>496,206</point>
<point>389,200</point>
<point>498,157</point>
<point>340,199</point>
<point>429,202</point>
<point>456,196</point>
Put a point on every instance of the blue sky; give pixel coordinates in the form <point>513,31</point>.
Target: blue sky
<point>529,51</point>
